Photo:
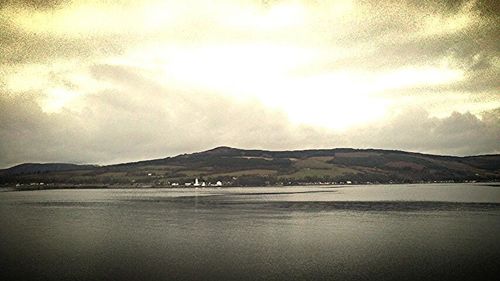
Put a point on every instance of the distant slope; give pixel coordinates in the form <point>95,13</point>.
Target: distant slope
<point>260,167</point>
<point>36,168</point>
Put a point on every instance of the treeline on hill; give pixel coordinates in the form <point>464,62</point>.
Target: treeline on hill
<point>237,167</point>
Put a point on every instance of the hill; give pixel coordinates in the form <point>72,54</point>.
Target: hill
<point>239,167</point>
<point>37,168</point>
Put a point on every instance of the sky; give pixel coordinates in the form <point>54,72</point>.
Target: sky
<point>112,81</point>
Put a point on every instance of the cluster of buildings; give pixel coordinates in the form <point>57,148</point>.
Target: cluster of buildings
<point>197,183</point>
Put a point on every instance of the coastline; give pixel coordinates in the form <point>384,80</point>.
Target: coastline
<point>138,187</point>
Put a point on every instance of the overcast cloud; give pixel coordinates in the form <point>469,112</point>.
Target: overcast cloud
<point>92,82</point>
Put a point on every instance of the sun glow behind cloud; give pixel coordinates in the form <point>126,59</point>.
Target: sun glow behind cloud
<point>272,74</point>
<point>270,64</point>
<point>57,99</point>
<point>334,66</point>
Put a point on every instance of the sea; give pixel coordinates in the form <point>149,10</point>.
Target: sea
<point>372,232</point>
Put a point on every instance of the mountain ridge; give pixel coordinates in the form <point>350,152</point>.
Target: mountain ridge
<point>243,167</point>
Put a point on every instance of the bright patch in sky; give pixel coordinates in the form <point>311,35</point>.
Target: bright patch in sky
<point>331,67</point>
<point>56,99</point>
<point>280,53</point>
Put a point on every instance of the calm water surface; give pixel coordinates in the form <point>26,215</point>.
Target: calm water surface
<point>397,232</point>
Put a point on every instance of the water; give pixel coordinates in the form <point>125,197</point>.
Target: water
<point>397,232</point>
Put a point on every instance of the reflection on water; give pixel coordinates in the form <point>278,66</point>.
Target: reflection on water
<point>404,232</point>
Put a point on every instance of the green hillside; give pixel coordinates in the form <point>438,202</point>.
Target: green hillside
<point>238,167</point>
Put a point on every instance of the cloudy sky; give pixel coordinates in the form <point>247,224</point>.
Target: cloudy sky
<point>111,81</point>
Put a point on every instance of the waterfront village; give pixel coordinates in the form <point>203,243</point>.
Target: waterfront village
<point>150,179</point>
<point>197,183</point>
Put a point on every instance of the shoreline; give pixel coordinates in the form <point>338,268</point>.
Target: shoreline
<point>75,187</point>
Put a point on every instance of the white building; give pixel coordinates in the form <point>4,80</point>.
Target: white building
<point>196,182</point>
